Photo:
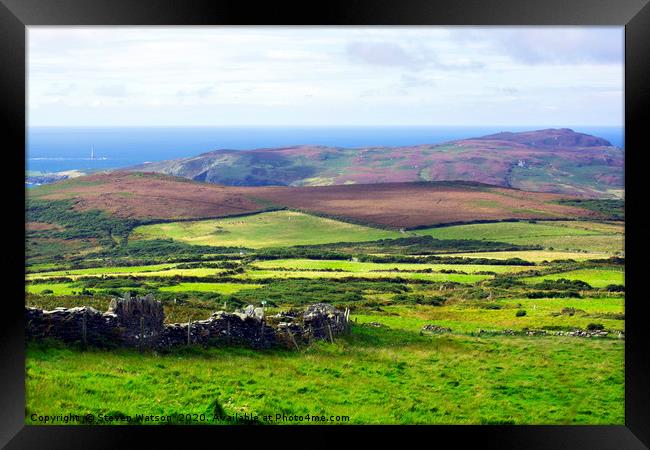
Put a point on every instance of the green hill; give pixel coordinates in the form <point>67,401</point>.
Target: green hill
<point>553,160</point>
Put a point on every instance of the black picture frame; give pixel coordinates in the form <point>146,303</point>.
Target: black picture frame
<point>16,15</point>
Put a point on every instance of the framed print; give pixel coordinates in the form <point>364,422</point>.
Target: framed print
<point>370,216</point>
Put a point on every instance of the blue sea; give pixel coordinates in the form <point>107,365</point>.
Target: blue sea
<point>52,149</point>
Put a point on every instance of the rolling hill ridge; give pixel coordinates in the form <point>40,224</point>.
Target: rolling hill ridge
<point>146,196</point>
<point>552,160</point>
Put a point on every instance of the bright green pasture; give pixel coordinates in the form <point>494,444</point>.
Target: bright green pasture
<point>56,288</point>
<point>534,256</point>
<point>470,316</point>
<point>594,277</point>
<point>434,276</point>
<point>107,270</point>
<point>399,375</point>
<point>162,272</point>
<point>601,227</point>
<point>272,229</point>
<point>220,288</point>
<point>354,266</point>
<point>566,235</point>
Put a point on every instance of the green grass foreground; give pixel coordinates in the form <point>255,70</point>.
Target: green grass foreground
<point>373,376</point>
<point>391,374</point>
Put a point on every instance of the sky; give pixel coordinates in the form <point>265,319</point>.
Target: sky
<point>325,76</point>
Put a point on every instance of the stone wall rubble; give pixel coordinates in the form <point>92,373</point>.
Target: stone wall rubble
<point>139,322</point>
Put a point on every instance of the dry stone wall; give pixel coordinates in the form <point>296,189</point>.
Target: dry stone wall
<point>139,322</point>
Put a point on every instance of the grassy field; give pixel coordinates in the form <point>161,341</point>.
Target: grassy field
<point>400,376</point>
<point>121,270</point>
<point>353,266</point>
<point>303,268</point>
<point>534,256</point>
<point>131,271</point>
<point>219,288</point>
<point>595,277</point>
<point>56,288</point>
<point>459,278</point>
<point>281,274</point>
<point>570,235</point>
<point>469,317</point>
<point>272,229</point>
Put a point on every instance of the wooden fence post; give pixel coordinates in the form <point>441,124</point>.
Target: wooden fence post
<point>189,325</point>
<point>329,328</point>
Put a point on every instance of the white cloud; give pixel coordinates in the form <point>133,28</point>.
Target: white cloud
<point>382,54</point>
<point>551,45</point>
<point>113,90</point>
<point>324,75</point>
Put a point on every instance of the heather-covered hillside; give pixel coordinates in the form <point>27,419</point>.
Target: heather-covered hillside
<point>145,196</point>
<point>552,160</point>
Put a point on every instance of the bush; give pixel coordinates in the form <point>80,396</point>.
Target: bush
<point>490,306</point>
<point>421,245</point>
<point>506,282</point>
<point>419,299</point>
<point>78,224</point>
<point>570,311</point>
<point>553,294</point>
<point>520,313</point>
<point>112,283</point>
<point>613,208</point>
<point>595,326</point>
<point>563,284</point>
<point>615,288</point>
<point>47,291</point>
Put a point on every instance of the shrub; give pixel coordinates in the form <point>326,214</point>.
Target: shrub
<point>520,313</point>
<point>553,294</point>
<point>47,291</point>
<point>112,283</point>
<point>613,208</point>
<point>568,311</point>
<point>595,326</point>
<point>563,284</point>
<point>78,224</point>
<point>615,288</point>
<point>491,306</point>
<point>112,292</point>
<point>420,299</point>
<point>506,282</point>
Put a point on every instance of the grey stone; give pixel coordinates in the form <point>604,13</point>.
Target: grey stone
<point>139,322</point>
